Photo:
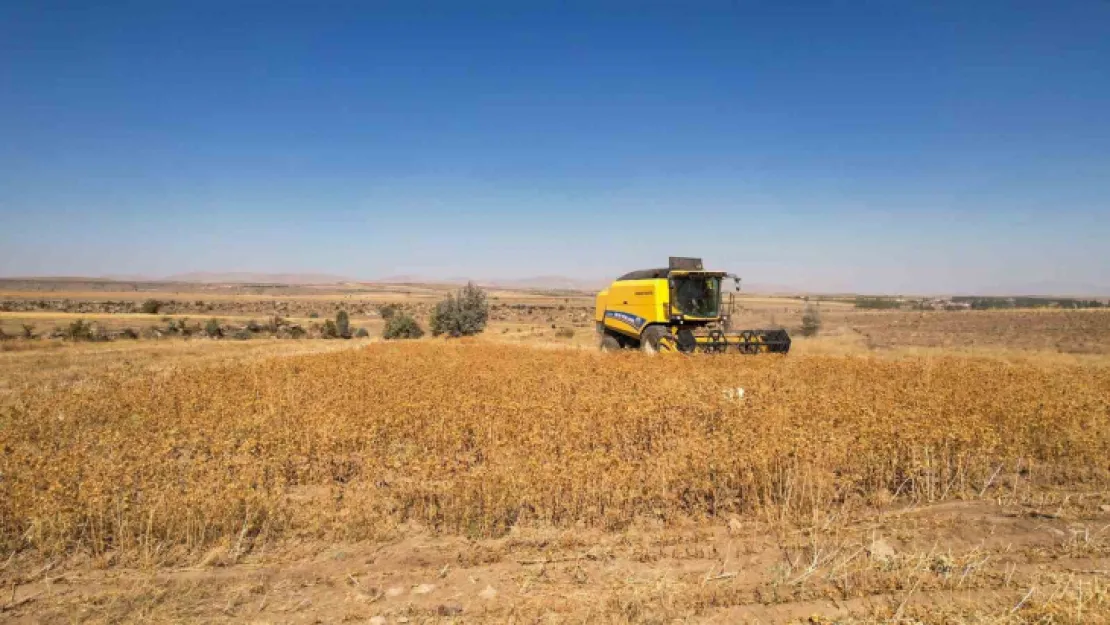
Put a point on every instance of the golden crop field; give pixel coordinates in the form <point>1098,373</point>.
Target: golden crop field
<point>638,486</point>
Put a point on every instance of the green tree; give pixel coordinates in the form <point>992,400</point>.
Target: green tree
<point>811,321</point>
<point>463,313</point>
<point>343,324</point>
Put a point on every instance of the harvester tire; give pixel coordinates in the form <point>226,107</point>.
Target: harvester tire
<point>609,343</point>
<point>649,339</point>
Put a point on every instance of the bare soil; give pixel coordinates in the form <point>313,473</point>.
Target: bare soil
<point>974,560</point>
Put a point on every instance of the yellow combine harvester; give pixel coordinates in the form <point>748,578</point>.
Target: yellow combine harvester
<point>676,309</point>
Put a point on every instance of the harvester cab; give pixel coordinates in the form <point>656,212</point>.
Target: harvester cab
<point>679,308</point>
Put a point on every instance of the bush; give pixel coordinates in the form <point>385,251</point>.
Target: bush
<point>330,331</point>
<point>253,326</point>
<point>362,333</point>
<point>461,314</point>
<point>274,324</point>
<point>401,325</point>
<point>811,321</point>
<point>100,333</point>
<point>152,306</point>
<point>129,333</point>
<point>564,333</point>
<point>387,311</point>
<point>28,331</point>
<point>343,324</point>
<point>181,326</point>
<point>212,329</point>
<point>79,330</point>
<point>314,315</point>
<point>241,335</point>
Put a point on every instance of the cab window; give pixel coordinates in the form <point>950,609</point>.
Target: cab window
<point>697,297</point>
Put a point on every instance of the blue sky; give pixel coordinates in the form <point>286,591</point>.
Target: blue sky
<point>865,146</point>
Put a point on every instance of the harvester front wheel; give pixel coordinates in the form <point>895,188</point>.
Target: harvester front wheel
<point>652,337</point>
<point>609,343</point>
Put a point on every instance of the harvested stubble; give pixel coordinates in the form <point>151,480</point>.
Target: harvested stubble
<point>472,438</point>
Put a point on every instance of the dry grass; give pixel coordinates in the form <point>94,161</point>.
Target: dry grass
<point>159,466</point>
<point>1061,331</point>
<point>44,322</point>
<point>54,364</point>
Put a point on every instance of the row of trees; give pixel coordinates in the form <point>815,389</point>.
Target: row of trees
<point>462,313</point>
<point>988,303</point>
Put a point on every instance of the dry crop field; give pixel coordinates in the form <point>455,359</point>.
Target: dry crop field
<point>484,481</point>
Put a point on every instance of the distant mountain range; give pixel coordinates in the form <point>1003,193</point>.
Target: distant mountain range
<point>536,282</point>
<point>1056,288</point>
<point>247,277</point>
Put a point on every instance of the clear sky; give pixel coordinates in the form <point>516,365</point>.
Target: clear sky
<point>868,146</point>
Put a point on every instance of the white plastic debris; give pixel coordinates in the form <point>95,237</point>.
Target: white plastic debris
<point>734,394</point>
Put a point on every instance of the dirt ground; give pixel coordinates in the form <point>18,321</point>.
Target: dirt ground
<point>973,561</point>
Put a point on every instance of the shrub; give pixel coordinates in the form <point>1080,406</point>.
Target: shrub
<point>296,332</point>
<point>461,314</point>
<point>28,331</point>
<point>564,333</point>
<point>79,330</point>
<point>253,326</point>
<point>212,329</point>
<point>362,333</point>
<point>387,311</point>
<point>129,333</point>
<point>343,324</point>
<point>241,335</point>
<point>152,306</point>
<point>100,333</point>
<point>274,324</point>
<point>182,327</point>
<point>811,321</point>
<point>330,331</point>
<point>314,315</point>
<point>401,325</point>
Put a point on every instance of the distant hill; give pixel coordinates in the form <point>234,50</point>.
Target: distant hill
<point>553,282</point>
<point>127,278</point>
<point>245,277</point>
<point>562,283</point>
